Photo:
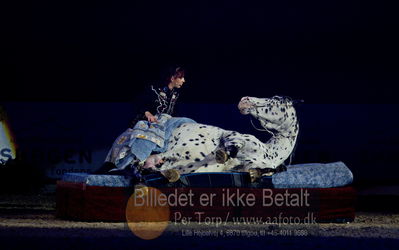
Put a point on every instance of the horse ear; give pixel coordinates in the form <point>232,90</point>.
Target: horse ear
<point>295,102</point>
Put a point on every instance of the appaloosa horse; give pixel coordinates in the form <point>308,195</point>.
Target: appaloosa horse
<point>197,147</point>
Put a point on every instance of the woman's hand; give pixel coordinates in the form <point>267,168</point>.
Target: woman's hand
<point>151,118</point>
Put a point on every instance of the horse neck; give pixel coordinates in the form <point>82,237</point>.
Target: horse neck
<point>291,132</point>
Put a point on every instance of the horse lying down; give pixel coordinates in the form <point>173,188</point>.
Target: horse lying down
<point>197,147</point>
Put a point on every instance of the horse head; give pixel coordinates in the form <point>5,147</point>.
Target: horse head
<point>274,114</point>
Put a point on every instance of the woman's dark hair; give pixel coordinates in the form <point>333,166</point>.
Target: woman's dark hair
<point>174,71</point>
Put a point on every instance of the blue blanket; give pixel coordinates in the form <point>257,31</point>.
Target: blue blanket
<point>144,139</point>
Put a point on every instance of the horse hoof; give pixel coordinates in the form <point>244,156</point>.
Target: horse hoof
<point>267,173</point>
<point>255,174</point>
<point>171,174</point>
<point>221,156</point>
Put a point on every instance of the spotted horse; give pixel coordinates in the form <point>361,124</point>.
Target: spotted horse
<point>197,147</point>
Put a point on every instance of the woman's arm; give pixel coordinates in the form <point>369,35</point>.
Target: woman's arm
<point>150,117</point>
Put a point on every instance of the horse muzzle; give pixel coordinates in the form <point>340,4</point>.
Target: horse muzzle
<point>245,105</point>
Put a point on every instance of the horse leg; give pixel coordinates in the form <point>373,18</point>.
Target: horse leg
<point>223,154</point>
<point>257,173</point>
<point>231,142</point>
<point>154,163</point>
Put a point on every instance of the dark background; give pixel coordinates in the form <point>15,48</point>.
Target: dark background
<point>320,51</point>
<point>73,68</point>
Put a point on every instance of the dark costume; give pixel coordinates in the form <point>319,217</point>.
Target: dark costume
<point>156,100</point>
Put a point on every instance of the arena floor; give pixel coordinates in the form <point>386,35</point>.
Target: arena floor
<point>29,221</point>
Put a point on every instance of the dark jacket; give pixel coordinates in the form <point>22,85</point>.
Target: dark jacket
<point>156,100</point>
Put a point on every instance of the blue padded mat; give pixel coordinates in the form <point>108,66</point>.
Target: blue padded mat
<point>98,180</point>
<point>314,175</point>
<point>311,175</point>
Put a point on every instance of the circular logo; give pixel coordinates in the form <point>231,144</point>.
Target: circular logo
<point>147,212</point>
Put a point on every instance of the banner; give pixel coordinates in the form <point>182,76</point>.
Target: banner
<point>7,143</point>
